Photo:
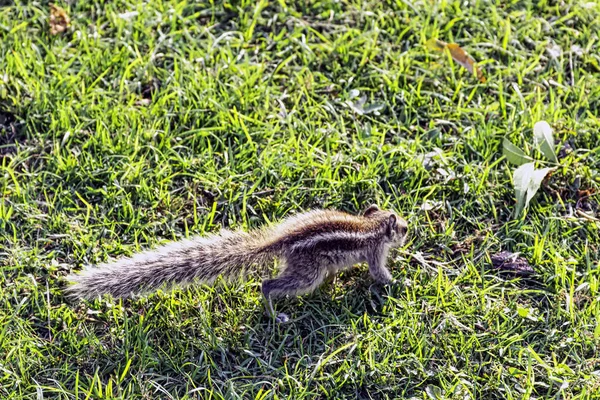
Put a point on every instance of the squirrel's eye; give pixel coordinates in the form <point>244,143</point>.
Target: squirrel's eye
<point>402,229</point>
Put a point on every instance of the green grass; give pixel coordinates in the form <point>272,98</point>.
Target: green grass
<point>129,131</point>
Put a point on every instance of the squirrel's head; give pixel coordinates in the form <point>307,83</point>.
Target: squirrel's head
<point>396,227</point>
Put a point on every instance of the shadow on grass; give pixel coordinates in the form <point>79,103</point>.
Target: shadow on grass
<point>223,341</point>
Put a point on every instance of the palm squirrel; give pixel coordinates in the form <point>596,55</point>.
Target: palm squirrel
<point>312,246</point>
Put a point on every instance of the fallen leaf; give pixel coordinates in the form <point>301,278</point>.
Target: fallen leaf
<point>458,55</point>
<point>505,261</point>
<point>59,19</point>
<point>435,45</point>
<point>461,57</point>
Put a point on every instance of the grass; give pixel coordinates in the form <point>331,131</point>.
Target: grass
<point>149,121</point>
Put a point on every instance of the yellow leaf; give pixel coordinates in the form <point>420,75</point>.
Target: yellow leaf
<point>59,19</point>
<point>458,55</point>
<point>461,57</point>
<point>435,45</point>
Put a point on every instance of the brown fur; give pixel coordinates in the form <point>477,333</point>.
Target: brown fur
<point>311,246</point>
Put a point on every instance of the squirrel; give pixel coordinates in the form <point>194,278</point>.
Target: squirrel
<point>312,246</point>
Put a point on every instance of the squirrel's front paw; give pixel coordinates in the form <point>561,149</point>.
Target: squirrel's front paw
<point>282,318</point>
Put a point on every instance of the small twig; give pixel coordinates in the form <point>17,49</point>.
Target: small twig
<point>587,216</point>
<point>421,259</point>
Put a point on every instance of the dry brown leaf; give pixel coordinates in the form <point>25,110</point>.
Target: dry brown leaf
<point>461,57</point>
<point>505,261</point>
<point>59,19</point>
<point>458,55</point>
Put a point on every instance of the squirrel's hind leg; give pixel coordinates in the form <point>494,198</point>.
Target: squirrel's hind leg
<point>297,278</point>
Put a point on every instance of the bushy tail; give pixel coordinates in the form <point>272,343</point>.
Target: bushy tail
<point>200,259</point>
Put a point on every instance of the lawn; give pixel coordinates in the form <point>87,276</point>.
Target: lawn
<point>150,121</point>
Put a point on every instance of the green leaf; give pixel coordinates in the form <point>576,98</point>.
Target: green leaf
<point>521,178</point>
<point>535,182</point>
<point>434,392</point>
<point>544,140</point>
<point>514,154</point>
<point>523,312</point>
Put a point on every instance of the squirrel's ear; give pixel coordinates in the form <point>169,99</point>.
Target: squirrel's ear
<point>391,229</point>
<point>370,210</point>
